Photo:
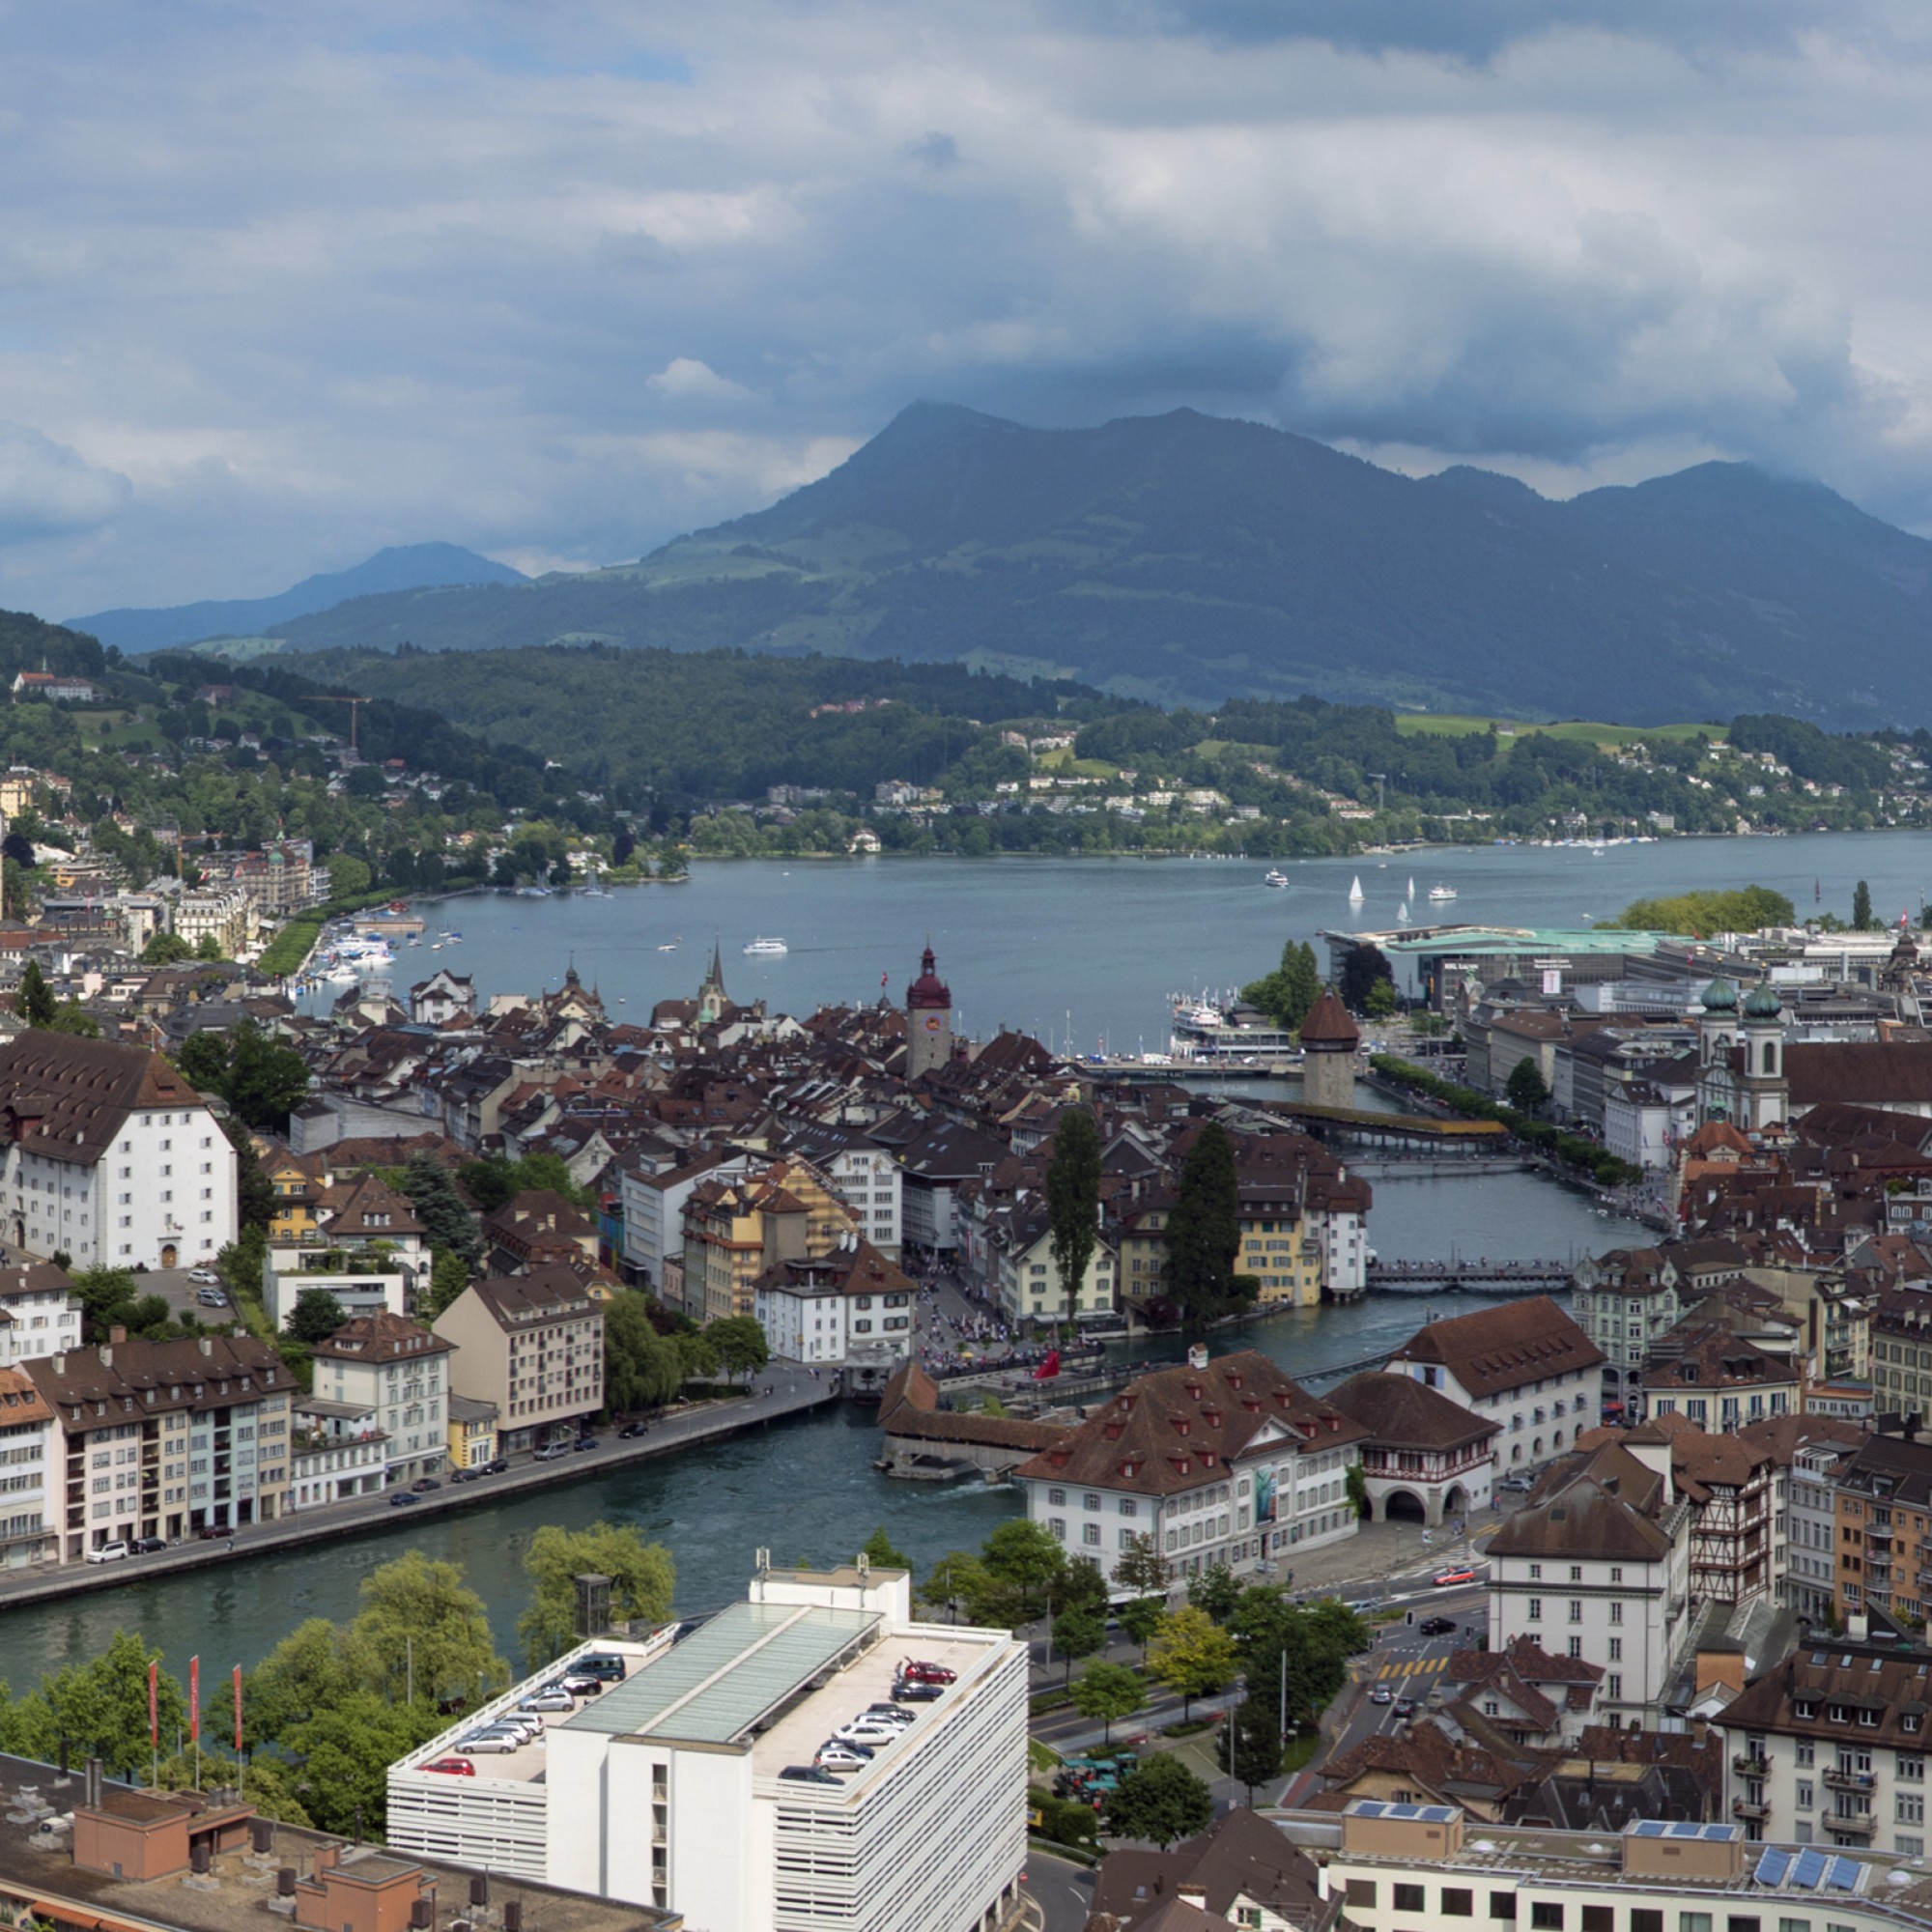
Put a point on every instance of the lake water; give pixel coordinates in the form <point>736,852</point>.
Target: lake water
<point>1085,950</point>
<point>1081,949</point>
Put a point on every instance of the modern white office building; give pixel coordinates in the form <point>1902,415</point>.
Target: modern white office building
<point>665,1789</point>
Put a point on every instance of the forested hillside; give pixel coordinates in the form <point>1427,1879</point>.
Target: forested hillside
<point>1188,558</point>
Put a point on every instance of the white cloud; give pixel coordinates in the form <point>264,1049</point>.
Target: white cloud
<point>287,286</point>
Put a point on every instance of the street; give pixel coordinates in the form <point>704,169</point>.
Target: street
<point>1060,1889</point>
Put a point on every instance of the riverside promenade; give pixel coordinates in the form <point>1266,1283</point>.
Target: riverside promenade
<point>793,1392</point>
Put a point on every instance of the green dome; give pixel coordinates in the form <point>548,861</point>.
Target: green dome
<point>1763,1003</point>
<point>1721,997</point>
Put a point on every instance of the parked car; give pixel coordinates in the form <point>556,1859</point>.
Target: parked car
<point>550,1452</point>
<point>1405,1707</point>
<point>464,1475</point>
<point>586,1442</point>
<point>889,1713</point>
<point>928,1673</point>
<point>581,1685</point>
<point>203,1277</point>
<point>423,1485</point>
<point>867,1731</point>
<point>1445,1578</point>
<point>399,1499</point>
<point>496,1466</point>
<point>808,1773</point>
<point>601,1664</point>
<point>839,1757</point>
<point>144,1546</point>
<point>213,1532</point>
<point>918,1693</point>
<point>549,1699</point>
<point>211,1297</point>
<point>632,1429</point>
<point>484,1743</point>
<point>1381,1694</point>
<point>456,1767</point>
<point>1436,1625</point>
<point>108,1552</point>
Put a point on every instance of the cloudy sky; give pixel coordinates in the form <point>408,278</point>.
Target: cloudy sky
<point>557,280</point>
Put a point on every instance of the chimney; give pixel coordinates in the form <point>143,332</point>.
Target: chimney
<point>91,1784</point>
<point>208,1345</point>
<point>117,1334</point>
<point>107,1353</point>
<point>327,1857</point>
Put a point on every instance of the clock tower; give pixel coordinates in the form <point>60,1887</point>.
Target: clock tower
<point>929,1021</point>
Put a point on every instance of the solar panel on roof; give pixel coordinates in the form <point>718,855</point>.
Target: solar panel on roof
<point>1772,1868</point>
<point>1648,1828</point>
<point>1807,1868</point>
<point>1845,1874</point>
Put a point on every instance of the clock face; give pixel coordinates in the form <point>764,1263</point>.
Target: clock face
<point>932,1023</point>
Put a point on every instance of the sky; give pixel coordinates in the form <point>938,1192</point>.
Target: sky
<point>281,285</point>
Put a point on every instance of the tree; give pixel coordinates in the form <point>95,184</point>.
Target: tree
<point>102,1705</point>
<point>347,876</point>
<point>1192,1655</point>
<point>1109,1691</point>
<point>641,1366</point>
<point>422,1627</point>
<point>1357,1481</point>
<point>254,1191</point>
<point>1257,1747</point>
<point>203,1060</point>
<point>882,1553</point>
<point>1024,1556</point>
<point>739,1344</point>
<point>696,1358</point>
<point>35,1001</point>
<point>1214,1591</point>
<point>1079,1631</point>
<point>1286,994</point>
<point>1361,970</point>
<point>1862,908</point>
<point>642,1581</point>
<point>1073,1202</point>
<point>316,1316</point>
<point>209,949</point>
<point>267,1081</point>
<point>449,1276</point>
<point>956,1579</point>
<point>1161,1801</point>
<point>448,1220</point>
<point>106,1296</point>
<point>1524,1089</point>
<point>1203,1230</point>
<point>1141,1617</point>
<point>491,1182</point>
<point>1142,1567</point>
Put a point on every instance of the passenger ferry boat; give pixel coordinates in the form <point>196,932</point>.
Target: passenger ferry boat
<point>766,946</point>
<point>1223,1029</point>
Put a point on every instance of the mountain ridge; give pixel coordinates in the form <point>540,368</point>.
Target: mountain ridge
<point>1187,558</point>
<point>403,567</point>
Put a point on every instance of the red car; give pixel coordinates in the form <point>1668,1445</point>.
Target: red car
<point>1446,1577</point>
<point>458,1767</point>
<point>928,1673</point>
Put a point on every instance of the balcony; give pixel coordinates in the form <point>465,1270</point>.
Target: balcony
<point>1746,1766</point>
<point>1862,1823</point>
<point>1848,1781</point>
<point>1745,1808</point>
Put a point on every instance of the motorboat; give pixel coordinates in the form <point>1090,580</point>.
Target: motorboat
<point>1442,891</point>
<point>766,947</point>
<point>1275,878</point>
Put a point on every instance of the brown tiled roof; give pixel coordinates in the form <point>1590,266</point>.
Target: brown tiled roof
<point>1400,1412</point>
<point>1498,1349</point>
<point>382,1337</point>
<point>20,1402</point>
<point>1870,1073</point>
<point>1179,1428</point>
<point>1714,1358</point>
<point>1865,1683</point>
<point>1328,1023</point>
<point>1593,1508</point>
<point>552,1294</point>
<point>200,1372</point>
<point>70,1098</point>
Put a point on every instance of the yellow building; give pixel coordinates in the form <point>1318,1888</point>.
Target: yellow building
<point>472,1431</point>
<point>734,1230</point>
<point>298,1183</point>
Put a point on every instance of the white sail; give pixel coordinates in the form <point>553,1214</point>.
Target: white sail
<point>1355,889</point>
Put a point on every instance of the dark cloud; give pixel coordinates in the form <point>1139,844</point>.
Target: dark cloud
<point>933,150</point>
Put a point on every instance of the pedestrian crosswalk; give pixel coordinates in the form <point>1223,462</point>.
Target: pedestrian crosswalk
<point>1416,1666</point>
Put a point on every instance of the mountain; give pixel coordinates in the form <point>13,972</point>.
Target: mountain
<point>1190,557</point>
<point>411,567</point>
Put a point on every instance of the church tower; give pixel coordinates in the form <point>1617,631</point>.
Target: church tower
<point>1764,1094</point>
<point>712,998</point>
<point>928,1020</point>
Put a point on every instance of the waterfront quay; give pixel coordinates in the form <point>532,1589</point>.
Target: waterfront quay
<point>792,1391</point>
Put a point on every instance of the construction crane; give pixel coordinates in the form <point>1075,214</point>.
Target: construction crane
<point>355,705</point>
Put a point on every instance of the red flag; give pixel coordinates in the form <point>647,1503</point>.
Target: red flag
<point>194,1698</point>
<point>1049,1368</point>
<point>885,980</point>
<point>154,1705</point>
<point>238,1710</point>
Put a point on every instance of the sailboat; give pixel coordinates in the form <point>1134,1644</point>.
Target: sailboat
<point>1402,913</point>
<point>1412,885</point>
<point>1355,889</point>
